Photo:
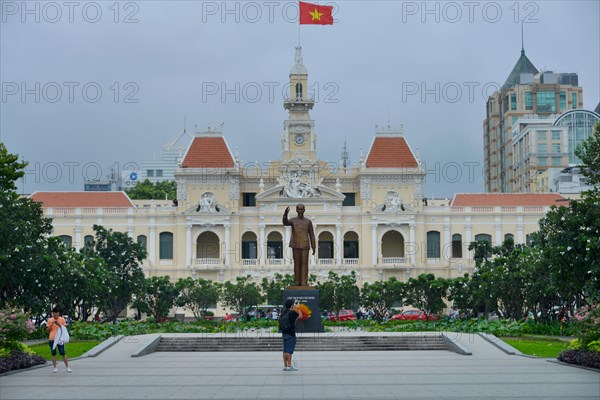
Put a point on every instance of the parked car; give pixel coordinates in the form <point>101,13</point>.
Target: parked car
<point>413,315</point>
<point>343,315</point>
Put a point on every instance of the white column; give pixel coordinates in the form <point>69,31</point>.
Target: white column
<point>520,238</point>
<point>414,247</point>
<point>467,241</point>
<point>188,245</point>
<point>263,245</point>
<point>227,246</point>
<point>152,242</point>
<point>498,227</point>
<point>130,224</point>
<point>374,249</point>
<point>339,244</point>
<point>77,244</point>
<point>447,241</point>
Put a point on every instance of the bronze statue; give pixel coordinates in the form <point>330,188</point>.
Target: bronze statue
<point>303,239</point>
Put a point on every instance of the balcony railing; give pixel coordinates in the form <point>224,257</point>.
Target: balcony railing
<point>274,261</point>
<point>350,261</point>
<point>326,261</point>
<point>208,261</point>
<point>393,260</point>
<point>249,262</point>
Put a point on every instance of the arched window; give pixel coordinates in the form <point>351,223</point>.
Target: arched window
<point>325,245</point>
<point>143,241</point>
<point>392,244</point>
<point>88,243</point>
<point>66,239</point>
<point>509,236</point>
<point>485,238</point>
<point>528,239</point>
<point>351,245</point>
<point>456,246</point>
<point>298,90</point>
<point>249,248</point>
<point>433,244</point>
<point>207,246</point>
<point>274,245</point>
<point>165,248</point>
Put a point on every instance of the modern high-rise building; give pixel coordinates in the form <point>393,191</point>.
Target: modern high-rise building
<point>526,91</point>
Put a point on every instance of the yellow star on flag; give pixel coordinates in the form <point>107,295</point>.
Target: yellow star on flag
<point>316,15</point>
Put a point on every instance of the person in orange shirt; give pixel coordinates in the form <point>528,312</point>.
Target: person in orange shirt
<point>53,326</point>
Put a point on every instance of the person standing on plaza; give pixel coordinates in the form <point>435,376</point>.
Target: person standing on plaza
<point>54,325</point>
<point>287,326</point>
<point>303,239</point>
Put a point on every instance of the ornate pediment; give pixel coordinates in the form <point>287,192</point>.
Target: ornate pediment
<point>207,205</point>
<point>278,193</point>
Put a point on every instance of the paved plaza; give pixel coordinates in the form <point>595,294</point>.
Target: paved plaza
<point>488,373</point>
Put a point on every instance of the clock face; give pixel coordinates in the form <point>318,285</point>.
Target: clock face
<point>299,139</point>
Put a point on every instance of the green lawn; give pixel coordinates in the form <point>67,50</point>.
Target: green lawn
<point>540,347</point>
<point>74,348</point>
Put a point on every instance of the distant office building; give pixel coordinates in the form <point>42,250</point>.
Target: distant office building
<point>540,143</point>
<point>163,166</point>
<point>564,181</point>
<point>537,144</point>
<point>526,91</point>
<point>581,125</point>
<point>99,186</point>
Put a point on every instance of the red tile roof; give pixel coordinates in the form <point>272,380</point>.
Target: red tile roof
<point>390,152</point>
<point>208,152</point>
<point>507,199</point>
<point>82,199</point>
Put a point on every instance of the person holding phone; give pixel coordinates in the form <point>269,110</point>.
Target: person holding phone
<point>53,326</point>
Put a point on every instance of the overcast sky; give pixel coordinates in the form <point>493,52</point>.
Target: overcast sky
<point>156,61</point>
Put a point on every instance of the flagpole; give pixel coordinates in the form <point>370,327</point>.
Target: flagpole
<point>298,31</point>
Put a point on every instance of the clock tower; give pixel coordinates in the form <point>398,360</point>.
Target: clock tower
<point>299,140</point>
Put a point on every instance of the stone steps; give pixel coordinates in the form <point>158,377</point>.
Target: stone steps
<point>333,343</point>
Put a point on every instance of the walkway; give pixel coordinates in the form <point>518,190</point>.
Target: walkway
<point>487,374</point>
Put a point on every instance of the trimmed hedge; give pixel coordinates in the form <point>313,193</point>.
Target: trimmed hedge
<point>19,360</point>
<point>581,357</point>
<point>101,331</point>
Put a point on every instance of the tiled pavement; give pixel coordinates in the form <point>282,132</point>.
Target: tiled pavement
<point>487,374</point>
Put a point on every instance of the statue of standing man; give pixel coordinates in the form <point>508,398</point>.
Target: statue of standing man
<point>303,239</point>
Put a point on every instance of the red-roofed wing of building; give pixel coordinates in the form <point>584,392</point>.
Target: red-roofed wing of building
<point>208,152</point>
<point>391,152</point>
<point>82,199</point>
<point>508,200</point>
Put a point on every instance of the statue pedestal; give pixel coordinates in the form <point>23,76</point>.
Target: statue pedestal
<point>309,296</point>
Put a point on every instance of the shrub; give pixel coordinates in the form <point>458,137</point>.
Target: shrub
<point>581,357</point>
<point>14,326</point>
<point>587,326</point>
<point>20,356</point>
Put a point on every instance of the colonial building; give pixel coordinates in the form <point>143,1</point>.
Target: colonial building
<point>371,218</point>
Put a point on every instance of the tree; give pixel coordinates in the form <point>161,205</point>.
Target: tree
<point>157,297</point>
<point>242,296</point>
<point>339,292</point>
<point>589,153</point>
<point>76,282</point>
<point>380,296</point>
<point>147,190</point>
<point>122,257</point>
<point>510,278</point>
<point>197,295</point>
<point>273,288</point>
<point>460,293</point>
<point>427,293</point>
<point>23,238</point>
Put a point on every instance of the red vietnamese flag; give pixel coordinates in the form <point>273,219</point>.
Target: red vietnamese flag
<point>315,14</point>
